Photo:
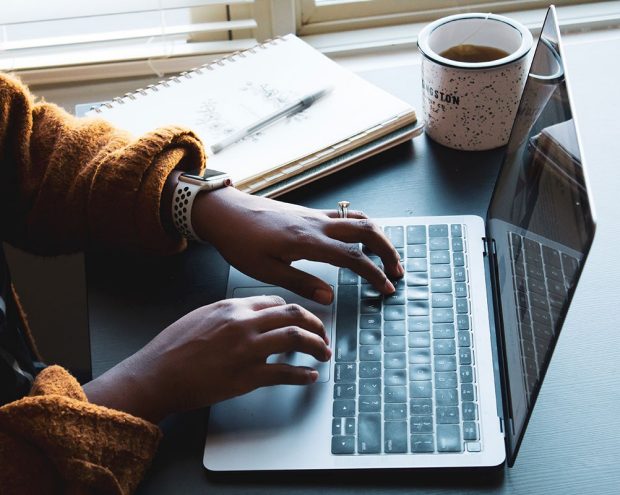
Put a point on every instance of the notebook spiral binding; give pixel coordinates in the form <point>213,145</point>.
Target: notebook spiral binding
<point>165,83</point>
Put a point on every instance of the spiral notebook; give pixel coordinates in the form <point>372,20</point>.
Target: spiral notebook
<point>354,120</point>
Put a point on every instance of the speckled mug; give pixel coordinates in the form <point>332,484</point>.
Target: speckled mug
<point>471,106</point>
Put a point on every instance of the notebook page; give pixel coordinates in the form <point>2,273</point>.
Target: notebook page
<point>241,90</point>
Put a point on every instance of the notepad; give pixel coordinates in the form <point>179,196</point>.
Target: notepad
<point>354,120</point>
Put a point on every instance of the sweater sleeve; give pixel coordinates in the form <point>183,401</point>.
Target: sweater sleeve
<point>69,183</point>
<point>54,441</point>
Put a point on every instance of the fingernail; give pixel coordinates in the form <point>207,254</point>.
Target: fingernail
<point>313,375</point>
<point>389,287</point>
<point>401,270</point>
<point>323,296</point>
<point>328,354</point>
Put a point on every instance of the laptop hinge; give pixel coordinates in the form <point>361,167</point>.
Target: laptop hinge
<point>488,246</point>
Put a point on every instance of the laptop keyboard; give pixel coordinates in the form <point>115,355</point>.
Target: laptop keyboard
<point>404,374</point>
<point>542,277</point>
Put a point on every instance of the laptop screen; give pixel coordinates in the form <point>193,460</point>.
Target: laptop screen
<point>542,226</point>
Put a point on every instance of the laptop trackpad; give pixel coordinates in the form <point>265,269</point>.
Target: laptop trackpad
<point>325,313</point>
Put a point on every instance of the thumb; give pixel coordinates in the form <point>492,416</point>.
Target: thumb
<point>298,281</point>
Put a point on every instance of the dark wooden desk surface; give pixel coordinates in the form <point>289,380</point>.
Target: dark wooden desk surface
<point>571,443</point>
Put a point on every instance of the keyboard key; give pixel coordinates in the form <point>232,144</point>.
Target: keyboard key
<point>416,278</point>
<point>395,377</point>
<point>396,235</point>
<point>421,372</point>
<point>467,392</point>
<point>551,257</point>
<point>394,344</point>
<point>417,308</point>
<point>441,285</point>
<point>416,234</point>
<point>440,230</point>
<point>370,321</point>
<point>419,339</point>
<point>417,265</point>
<point>464,338</point>
<point>419,323</point>
<point>416,251</point>
<point>344,408</point>
<point>394,327</point>
<point>466,373</point>
<point>349,426</point>
<point>422,444</point>
<point>369,403</point>
<point>345,372</point>
<point>395,360</point>
<point>337,426</point>
<point>345,391</point>
<point>456,230</point>
<point>464,355</point>
<point>369,292</point>
<point>370,306</point>
<point>370,337</point>
<point>462,305</point>
<point>396,298</point>
<point>446,379</point>
<point>421,355</point>
<point>421,389</point>
<point>417,293</point>
<point>346,324</point>
<point>442,315</point>
<point>395,394</point>
<point>395,437</point>
<point>444,347</point>
<point>343,445</point>
<point>370,353</point>
<point>446,397</point>
<point>394,412</point>
<point>457,244</point>
<point>369,433</point>
<point>447,415</point>
<point>370,369</point>
<point>347,277</point>
<point>370,386</point>
<point>439,244</point>
<point>421,407</point>
<point>462,322</point>
<point>449,438</point>
<point>445,363</point>
<point>470,431</point>
<point>440,257</point>
<point>440,271</point>
<point>393,313</point>
<point>470,411</point>
<point>443,331</point>
<point>458,259</point>
<point>460,275</point>
<point>460,289</point>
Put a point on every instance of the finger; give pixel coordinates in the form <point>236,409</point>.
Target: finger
<point>350,256</point>
<point>290,315</point>
<point>256,303</point>
<point>292,339</point>
<point>372,236</point>
<point>285,374</point>
<point>350,214</point>
<point>280,273</point>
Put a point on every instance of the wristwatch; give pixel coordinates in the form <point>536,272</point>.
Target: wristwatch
<point>185,193</point>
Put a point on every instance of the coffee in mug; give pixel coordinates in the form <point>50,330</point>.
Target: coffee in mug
<point>474,67</point>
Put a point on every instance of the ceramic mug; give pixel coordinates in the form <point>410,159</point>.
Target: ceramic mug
<point>471,105</point>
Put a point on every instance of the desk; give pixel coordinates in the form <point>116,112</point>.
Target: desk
<point>571,442</point>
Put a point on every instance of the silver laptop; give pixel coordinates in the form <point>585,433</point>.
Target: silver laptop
<point>445,372</point>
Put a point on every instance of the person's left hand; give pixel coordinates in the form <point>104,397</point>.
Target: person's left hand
<point>262,237</point>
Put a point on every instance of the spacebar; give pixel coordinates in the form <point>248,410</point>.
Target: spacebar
<point>346,323</point>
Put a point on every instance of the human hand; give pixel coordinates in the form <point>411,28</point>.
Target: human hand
<point>262,237</point>
<point>214,353</point>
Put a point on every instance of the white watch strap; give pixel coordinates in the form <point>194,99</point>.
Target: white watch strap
<point>182,202</point>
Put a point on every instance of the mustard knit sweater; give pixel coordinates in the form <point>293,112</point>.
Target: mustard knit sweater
<point>66,184</point>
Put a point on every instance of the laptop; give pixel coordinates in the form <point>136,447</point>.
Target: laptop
<point>445,372</point>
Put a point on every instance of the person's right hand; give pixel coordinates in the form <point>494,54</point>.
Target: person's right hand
<point>214,353</point>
